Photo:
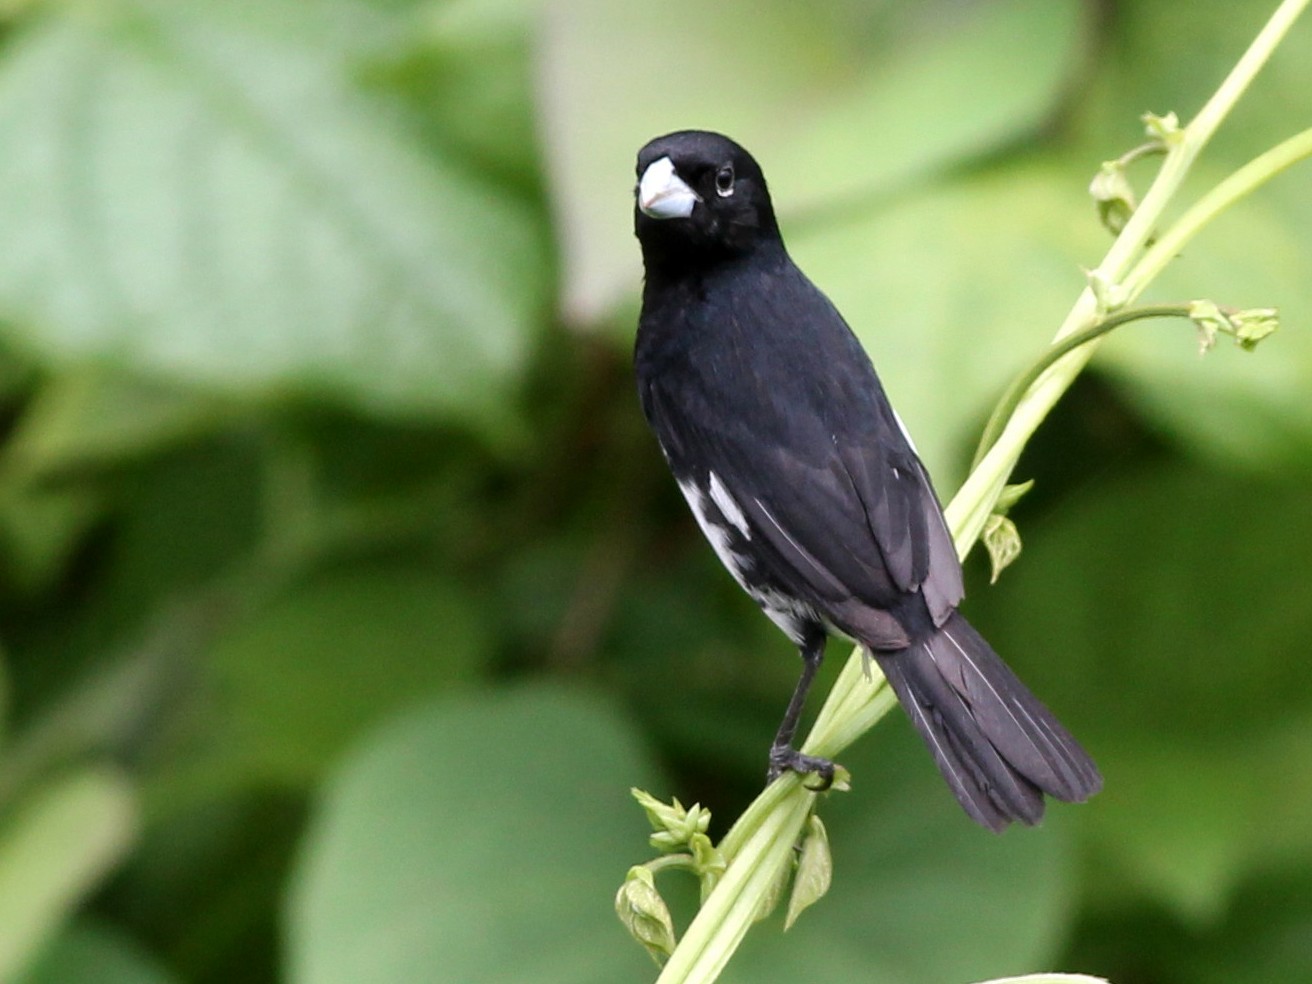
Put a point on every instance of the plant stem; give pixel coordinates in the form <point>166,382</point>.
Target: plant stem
<point>1015,393</point>
<point>1238,185</point>
<point>723,920</point>
<point>969,510</point>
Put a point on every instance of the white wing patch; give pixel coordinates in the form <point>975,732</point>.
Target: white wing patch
<point>717,535</point>
<point>732,511</point>
<point>791,615</point>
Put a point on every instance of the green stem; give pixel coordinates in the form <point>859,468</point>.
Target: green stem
<point>969,510</point>
<point>728,914</point>
<point>1016,391</point>
<point>671,862</point>
<point>859,698</point>
<point>760,843</point>
<point>1016,404</point>
<point>1153,148</point>
<point>1238,185</point>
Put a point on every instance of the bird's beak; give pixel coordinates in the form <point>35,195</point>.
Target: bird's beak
<point>662,194</point>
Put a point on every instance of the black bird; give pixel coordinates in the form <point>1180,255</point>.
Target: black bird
<point>804,480</point>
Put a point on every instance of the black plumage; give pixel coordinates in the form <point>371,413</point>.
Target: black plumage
<point>798,470</point>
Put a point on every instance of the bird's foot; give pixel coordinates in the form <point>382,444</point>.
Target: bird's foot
<point>786,758</point>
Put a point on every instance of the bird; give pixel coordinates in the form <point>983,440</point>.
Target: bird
<point>808,487</point>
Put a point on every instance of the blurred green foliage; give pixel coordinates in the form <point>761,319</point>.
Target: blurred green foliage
<point>343,595</point>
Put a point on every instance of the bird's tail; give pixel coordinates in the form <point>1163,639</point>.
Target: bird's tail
<point>998,748</point>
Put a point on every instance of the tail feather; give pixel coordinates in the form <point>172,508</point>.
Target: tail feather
<point>991,792</point>
<point>997,746</point>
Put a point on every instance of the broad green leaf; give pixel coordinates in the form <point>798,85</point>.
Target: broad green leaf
<point>475,839</point>
<point>191,190</point>
<point>1194,567</point>
<point>956,289</point>
<point>89,954</point>
<point>1161,618</point>
<point>839,102</point>
<point>465,67</point>
<point>292,685</point>
<point>920,894</point>
<point>56,844</point>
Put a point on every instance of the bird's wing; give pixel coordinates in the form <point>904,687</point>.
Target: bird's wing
<point>849,522</point>
<point>907,521</point>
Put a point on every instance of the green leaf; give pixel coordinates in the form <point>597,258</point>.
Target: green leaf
<point>644,914</point>
<point>1192,819</point>
<point>474,840</point>
<point>196,191</point>
<point>920,894</point>
<point>1002,541</point>
<point>1194,567</point>
<point>89,954</point>
<point>56,844</point>
<point>1260,939</point>
<point>1010,495</point>
<point>1113,196</point>
<point>815,871</point>
<point>295,683</point>
<point>465,67</point>
<point>839,102</point>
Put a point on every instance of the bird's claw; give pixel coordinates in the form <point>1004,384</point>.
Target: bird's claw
<point>785,758</point>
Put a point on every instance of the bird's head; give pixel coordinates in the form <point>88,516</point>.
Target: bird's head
<point>700,197</point>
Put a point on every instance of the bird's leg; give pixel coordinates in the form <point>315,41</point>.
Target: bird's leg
<point>782,753</point>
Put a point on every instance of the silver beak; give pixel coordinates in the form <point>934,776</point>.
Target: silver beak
<point>662,194</point>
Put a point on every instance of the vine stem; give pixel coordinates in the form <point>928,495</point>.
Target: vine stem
<point>759,847</point>
<point>1059,350</point>
<point>1241,183</point>
<point>970,508</point>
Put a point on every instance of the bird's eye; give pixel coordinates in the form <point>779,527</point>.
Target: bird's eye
<point>724,181</point>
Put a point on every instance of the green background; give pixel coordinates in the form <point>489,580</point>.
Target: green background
<point>343,594</point>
